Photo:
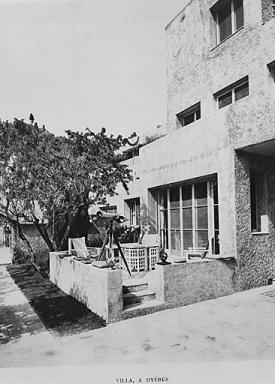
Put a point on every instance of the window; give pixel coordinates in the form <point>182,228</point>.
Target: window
<point>229,18</point>
<point>190,115</point>
<point>258,202</point>
<point>189,217</point>
<point>133,206</point>
<point>233,93</point>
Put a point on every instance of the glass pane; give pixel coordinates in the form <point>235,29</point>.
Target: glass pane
<point>241,91</point>
<point>175,218</point>
<point>164,239</point>
<point>187,239</point>
<point>163,199</point>
<point>253,203</point>
<point>225,99</point>
<point>201,239</point>
<point>175,240</point>
<point>238,7</point>
<point>187,218</point>
<point>225,23</point>
<point>202,218</point>
<point>216,249</point>
<point>175,197</point>
<point>198,114</point>
<point>201,193</point>
<point>215,192</point>
<point>189,118</point>
<point>216,216</point>
<point>187,196</point>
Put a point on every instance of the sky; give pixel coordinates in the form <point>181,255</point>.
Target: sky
<point>94,63</point>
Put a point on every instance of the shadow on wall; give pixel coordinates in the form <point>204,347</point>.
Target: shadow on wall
<point>57,311</point>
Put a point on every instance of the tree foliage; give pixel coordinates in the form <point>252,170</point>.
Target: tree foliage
<point>44,176</point>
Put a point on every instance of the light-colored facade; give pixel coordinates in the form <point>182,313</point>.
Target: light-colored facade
<point>210,182</point>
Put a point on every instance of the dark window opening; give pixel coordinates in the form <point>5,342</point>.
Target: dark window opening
<point>241,91</point>
<point>258,200</point>
<point>190,115</point>
<point>134,211</point>
<point>225,99</point>
<point>233,93</point>
<point>229,18</point>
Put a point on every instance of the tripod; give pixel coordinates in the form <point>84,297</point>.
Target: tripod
<point>110,239</point>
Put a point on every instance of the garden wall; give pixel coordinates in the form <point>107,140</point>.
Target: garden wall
<point>187,283</point>
<point>100,289</point>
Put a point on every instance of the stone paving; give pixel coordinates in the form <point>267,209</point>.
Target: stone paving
<point>41,326</point>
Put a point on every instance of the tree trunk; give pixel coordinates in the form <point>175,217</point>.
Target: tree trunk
<point>17,228</point>
<point>43,232</point>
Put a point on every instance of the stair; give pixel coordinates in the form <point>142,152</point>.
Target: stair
<point>136,294</point>
<point>138,300</point>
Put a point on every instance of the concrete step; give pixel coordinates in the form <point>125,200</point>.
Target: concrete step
<point>134,287</point>
<point>138,297</point>
<point>141,309</point>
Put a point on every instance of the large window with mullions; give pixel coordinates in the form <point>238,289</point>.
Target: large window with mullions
<point>189,217</point>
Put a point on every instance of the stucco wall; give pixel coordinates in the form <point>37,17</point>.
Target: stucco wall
<point>172,159</point>
<point>255,252</point>
<point>187,283</point>
<point>100,289</point>
<point>197,69</point>
<point>267,12</point>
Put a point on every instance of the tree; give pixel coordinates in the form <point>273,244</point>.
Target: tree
<point>44,177</point>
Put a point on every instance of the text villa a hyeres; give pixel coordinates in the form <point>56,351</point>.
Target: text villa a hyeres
<point>130,380</point>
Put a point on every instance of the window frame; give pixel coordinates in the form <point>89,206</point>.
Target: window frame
<point>212,231</point>
<point>232,89</point>
<point>258,202</point>
<point>194,110</point>
<point>216,10</point>
<point>134,211</point>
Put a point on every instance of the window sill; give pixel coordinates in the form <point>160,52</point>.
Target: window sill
<point>228,37</point>
<point>219,257</point>
<point>260,233</point>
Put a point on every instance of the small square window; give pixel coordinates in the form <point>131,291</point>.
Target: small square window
<point>190,114</point>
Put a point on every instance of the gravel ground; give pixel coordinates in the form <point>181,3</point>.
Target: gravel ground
<point>42,326</point>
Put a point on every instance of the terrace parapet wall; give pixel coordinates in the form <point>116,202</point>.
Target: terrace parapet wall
<point>100,289</point>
